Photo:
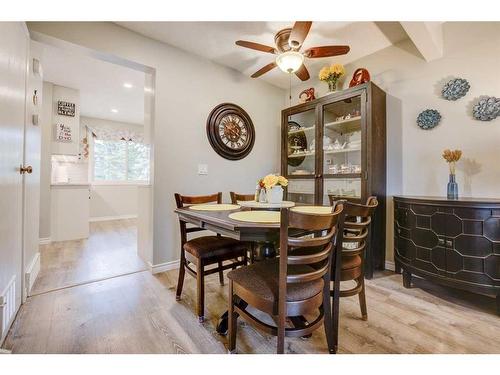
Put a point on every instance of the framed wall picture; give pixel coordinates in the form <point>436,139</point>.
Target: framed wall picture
<point>63,133</point>
<point>65,108</point>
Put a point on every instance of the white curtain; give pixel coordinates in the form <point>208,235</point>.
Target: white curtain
<point>106,134</point>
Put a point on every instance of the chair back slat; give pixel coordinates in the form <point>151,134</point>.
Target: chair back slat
<point>183,200</point>
<point>235,197</point>
<point>314,257</point>
<point>308,276</point>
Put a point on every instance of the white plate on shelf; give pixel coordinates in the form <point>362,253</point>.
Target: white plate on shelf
<point>301,172</point>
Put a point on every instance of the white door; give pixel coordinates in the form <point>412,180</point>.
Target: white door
<point>32,146</point>
<point>14,41</point>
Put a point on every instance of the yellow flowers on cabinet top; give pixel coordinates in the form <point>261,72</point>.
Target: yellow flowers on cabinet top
<point>332,72</point>
<point>272,180</point>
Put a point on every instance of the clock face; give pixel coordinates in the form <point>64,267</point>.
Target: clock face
<point>230,131</point>
<point>233,131</point>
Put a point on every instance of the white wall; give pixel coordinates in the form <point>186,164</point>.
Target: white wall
<point>187,88</point>
<point>45,160</point>
<point>471,51</point>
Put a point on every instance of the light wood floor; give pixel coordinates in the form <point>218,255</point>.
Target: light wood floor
<point>110,250</point>
<point>137,313</point>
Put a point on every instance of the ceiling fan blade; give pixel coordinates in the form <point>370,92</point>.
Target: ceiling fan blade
<point>263,70</point>
<point>302,73</point>
<point>326,51</point>
<point>256,46</point>
<point>299,33</point>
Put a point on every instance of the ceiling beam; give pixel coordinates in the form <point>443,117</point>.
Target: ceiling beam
<point>427,37</point>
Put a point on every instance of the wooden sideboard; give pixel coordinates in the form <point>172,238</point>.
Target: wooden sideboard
<point>452,242</point>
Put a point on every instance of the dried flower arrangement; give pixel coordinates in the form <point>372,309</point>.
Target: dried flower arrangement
<point>451,157</point>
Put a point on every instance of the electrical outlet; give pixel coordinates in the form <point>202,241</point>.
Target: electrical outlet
<point>202,169</point>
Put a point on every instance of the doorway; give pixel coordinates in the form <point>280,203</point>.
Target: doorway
<point>96,158</point>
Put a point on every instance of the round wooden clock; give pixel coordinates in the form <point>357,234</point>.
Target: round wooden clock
<point>230,131</point>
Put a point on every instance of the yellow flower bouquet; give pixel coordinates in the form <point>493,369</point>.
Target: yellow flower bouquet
<point>331,75</point>
<point>272,180</point>
<point>273,185</point>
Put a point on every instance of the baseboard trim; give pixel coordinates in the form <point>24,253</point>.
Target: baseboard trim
<point>32,273</point>
<point>8,308</point>
<point>163,267</point>
<point>44,241</point>
<point>108,218</point>
<point>389,265</point>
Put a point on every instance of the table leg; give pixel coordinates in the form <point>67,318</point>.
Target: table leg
<point>223,320</point>
<point>265,250</point>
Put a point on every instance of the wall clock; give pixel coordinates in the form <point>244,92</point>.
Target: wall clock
<point>230,131</point>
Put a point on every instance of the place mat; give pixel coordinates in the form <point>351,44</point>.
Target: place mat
<point>254,204</point>
<point>214,207</point>
<point>268,217</point>
<point>312,209</point>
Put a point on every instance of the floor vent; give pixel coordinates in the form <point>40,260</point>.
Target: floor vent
<point>7,307</point>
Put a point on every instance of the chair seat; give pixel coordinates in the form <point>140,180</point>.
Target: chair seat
<point>261,279</point>
<point>214,247</point>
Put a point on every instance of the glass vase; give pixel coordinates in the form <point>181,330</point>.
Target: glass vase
<point>332,86</point>
<point>452,190</point>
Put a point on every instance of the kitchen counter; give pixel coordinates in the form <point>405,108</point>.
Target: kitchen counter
<point>70,184</point>
<point>70,211</point>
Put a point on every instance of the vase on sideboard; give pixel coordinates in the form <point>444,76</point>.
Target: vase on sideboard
<point>452,189</point>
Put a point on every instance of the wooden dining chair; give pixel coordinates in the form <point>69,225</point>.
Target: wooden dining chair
<point>235,197</point>
<point>205,251</point>
<point>294,284</point>
<point>355,241</point>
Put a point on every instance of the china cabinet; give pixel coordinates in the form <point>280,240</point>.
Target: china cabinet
<point>336,145</point>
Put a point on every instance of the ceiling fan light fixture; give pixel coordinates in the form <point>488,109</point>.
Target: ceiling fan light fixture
<point>290,61</point>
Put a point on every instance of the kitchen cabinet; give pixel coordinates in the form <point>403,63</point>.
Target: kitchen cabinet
<point>69,211</point>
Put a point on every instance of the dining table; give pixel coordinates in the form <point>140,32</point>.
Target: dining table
<point>221,222</point>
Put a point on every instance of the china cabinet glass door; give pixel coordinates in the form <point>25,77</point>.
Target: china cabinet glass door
<point>342,164</point>
<point>301,162</point>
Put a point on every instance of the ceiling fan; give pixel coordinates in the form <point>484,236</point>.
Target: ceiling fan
<point>288,42</point>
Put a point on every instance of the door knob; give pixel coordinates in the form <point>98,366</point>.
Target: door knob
<point>23,170</point>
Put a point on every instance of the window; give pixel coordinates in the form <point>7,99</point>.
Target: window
<point>120,161</point>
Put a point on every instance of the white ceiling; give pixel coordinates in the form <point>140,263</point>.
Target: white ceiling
<point>100,84</point>
<point>215,41</point>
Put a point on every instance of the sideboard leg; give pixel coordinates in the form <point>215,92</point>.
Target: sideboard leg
<point>406,279</point>
<point>498,304</point>
<point>397,267</point>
